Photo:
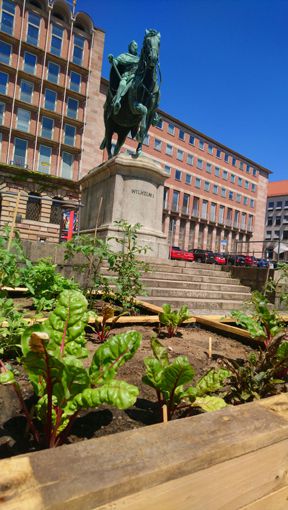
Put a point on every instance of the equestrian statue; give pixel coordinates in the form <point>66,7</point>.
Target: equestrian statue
<point>133,94</point>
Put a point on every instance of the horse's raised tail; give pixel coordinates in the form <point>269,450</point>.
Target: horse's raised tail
<point>103,144</point>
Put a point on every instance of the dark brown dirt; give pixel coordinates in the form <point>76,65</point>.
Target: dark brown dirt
<point>190,341</point>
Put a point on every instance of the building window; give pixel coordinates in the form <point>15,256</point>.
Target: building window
<point>33,28</point>
<point>278,220</point>
<point>279,204</point>
<point>241,165</point>
<point>240,181</point>
<point>146,140</point>
<point>175,201</point>
<point>188,178</point>
<point>167,169</point>
<point>218,153</point>
<point>56,40</point>
<point>238,197</point>
<point>270,205</point>
<point>209,168</point>
<point>5,52</point>
<point>217,171</point>
<point>44,162</point>
<point>20,152</point>
<point>2,111</point>
<point>69,134</point>
<point>78,49</point>
<point>268,234</point>
<point>180,155</point>
<point>277,234</point>
<point>4,77</point>
<point>75,81</point>
<point>169,149</point>
<point>23,119</point>
<point>286,204</point>
<point>253,187</point>
<point>192,140</point>
<point>56,211</point>
<point>67,165</point>
<point>157,144</point>
<point>30,62</point>
<point>53,71</point>
<point>26,91</point>
<point>223,192</point>
<point>185,207</point>
<point>215,189</point>
<point>232,178</point>
<point>201,145</point>
<point>197,182</point>
<point>245,200</point>
<point>254,172</point>
<point>234,161</point>
<point>72,108</point>
<point>199,164</point>
<point>248,169</point>
<point>230,195</point>
<point>225,175</point>
<point>159,124</point>
<point>246,184</point>
<point>190,159</point>
<point>165,198</point>
<point>221,214</point>
<point>178,175</point>
<point>33,207</point>
<point>252,202</point>
<point>50,100</point>
<point>210,149</point>
<point>171,129</point>
<point>47,127</point>
<point>181,134</point>
<point>226,157</point>
<point>7,16</point>
<point>204,209</point>
<point>206,186</point>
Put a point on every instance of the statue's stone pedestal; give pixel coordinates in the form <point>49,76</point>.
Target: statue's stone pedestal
<point>130,189</point>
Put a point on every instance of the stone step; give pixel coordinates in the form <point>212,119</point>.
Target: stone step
<point>209,305</point>
<point>164,293</point>
<point>227,286</point>
<point>186,267</point>
<point>169,277</point>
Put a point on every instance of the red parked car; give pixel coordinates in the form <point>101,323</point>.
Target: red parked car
<point>219,259</point>
<point>177,254</point>
<point>250,261</point>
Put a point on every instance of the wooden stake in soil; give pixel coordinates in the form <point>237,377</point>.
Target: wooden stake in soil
<point>13,221</point>
<point>165,413</point>
<point>210,348</point>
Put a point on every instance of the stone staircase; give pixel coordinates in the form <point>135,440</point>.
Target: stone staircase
<point>204,288</point>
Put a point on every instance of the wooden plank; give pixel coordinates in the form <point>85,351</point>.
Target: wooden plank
<point>224,459</point>
<point>277,500</point>
<point>220,326</point>
<point>226,486</point>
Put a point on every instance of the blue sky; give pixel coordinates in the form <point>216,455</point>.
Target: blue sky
<point>224,66</point>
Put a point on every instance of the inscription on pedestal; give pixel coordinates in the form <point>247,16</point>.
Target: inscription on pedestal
<point>142,192</point>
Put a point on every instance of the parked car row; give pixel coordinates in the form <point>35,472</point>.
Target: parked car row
<point>210,257</point>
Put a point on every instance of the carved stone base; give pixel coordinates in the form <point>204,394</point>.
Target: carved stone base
<point>130,189</point>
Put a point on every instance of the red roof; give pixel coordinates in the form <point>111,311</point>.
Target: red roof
<point>278,188</point>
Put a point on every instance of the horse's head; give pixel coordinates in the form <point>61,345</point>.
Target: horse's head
<point>151,47</point>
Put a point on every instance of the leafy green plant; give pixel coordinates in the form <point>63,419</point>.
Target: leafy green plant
<point>12,261</point>
<point>12,325</point>
<point>172,319</point>
<point>52,359</point>
<point>102,330</point>
<point>127,266</point>
<point>93,251</point>
<point>170,379</point>
<point>45,283</point>
<point>263,321</point>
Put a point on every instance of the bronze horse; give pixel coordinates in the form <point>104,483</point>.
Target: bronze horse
<point>139,104</point>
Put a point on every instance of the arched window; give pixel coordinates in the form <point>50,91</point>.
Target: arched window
<point>33,208</point>
<point>56,211</point>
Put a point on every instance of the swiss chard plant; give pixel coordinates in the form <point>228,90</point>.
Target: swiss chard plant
<point>172,382</point>
<point>264,372</point>
<point>12,261</point>
<point>12,325</point>
<point>45,283</point>
<point>102,329</point>
<point>172,319</point>
<point>53,354</point>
